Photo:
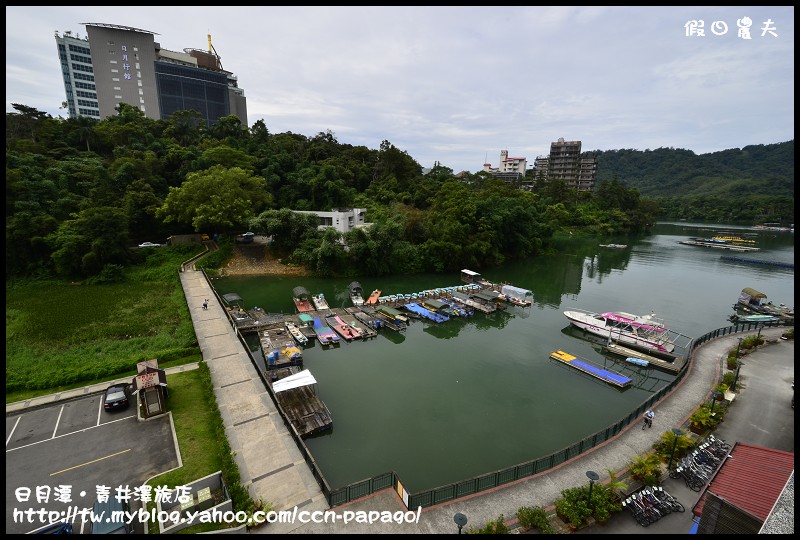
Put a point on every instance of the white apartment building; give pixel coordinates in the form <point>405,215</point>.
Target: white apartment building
<point>343,220</point>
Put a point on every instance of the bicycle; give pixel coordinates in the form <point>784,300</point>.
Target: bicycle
<point>637,512</point>
<point>669,499</point>
<point>663,507</point>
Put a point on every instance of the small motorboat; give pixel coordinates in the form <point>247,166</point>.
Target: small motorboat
<point>637,361</point>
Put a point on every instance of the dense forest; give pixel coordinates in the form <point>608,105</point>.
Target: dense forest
<point>81,193</point>
<point>751,185</point>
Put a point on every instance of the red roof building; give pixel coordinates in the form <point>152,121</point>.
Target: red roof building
<point>744,491</point>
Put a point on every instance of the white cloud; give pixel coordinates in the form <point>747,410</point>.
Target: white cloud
<point>459,84</point>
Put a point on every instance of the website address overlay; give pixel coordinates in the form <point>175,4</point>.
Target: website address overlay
<point>48,517</point>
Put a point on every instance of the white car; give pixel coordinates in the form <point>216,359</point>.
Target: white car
<point>148,244</point>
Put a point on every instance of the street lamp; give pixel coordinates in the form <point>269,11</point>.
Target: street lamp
<point>677,433</point>
<point>593,477</point>
<point>737,349</point>
<point>714,395</point>
<point>460,520</point>
<point>736,378</point>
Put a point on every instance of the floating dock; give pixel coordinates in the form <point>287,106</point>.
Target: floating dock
<point>611,377</point>
<point>672,367</point>
<point>779,264</point>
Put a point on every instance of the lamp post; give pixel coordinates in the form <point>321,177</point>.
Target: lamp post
<point>460,520</point>
<point>736,378</point>
<point>593,477</point>
<point>714,396</point>
<point>677,434</point>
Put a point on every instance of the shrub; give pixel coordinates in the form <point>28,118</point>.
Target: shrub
<point>646,468</point>
<point>728,378</point>
<point>534,517</point>
<point>573,506</point>
<point>493,526</point>
<point>664,446</point>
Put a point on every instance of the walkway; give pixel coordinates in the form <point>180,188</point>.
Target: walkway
<point>270,465</point>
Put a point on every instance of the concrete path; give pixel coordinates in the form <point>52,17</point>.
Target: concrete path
<point>270,464</point>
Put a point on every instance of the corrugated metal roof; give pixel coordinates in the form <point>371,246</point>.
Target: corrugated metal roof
<point>752,478</point>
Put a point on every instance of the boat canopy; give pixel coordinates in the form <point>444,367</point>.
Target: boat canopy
<point>300,292</point>
<point>355,286</point>
<point>516,292</point>
<point>434,303</point>
<point>751,296</point>
<point>486,295</point>
<point>303,378</point>
<point>305,318</point>
<point>231,298</point>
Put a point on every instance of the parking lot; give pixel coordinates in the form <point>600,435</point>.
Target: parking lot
<point>74,447</point>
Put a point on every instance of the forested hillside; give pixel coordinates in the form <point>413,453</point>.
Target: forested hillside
<point>670,172</point>
<point>748,184</point>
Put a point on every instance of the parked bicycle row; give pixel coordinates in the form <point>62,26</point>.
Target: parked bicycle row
<point>651,503</point>
<point>699,466</point>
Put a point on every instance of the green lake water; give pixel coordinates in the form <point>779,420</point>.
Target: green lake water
<point>440,403</point>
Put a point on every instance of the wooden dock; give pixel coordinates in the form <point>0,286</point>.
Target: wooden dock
<point>307,413</point>
<point>672,367</point>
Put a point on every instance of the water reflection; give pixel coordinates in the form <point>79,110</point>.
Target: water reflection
<point>412,401</point>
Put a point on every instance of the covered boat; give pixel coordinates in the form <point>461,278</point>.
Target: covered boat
<point>517,295</point>
<point>302,300</point>
<point>356,293</point>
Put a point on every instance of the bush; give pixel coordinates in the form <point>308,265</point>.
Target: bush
<point>534,517</point>
<point>646,468</point>
<point>494,526</point>
<point>664,446</point>
<point>573,506</point>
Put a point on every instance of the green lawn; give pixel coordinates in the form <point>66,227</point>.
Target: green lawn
<point>61,335</point>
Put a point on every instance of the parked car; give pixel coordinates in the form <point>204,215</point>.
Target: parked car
<point>116,397</point>
<point>245,238</point>
<point>148,244</point>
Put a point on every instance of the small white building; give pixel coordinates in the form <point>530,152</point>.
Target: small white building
<point>343,220</point>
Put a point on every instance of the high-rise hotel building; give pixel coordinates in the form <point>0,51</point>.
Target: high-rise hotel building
<point>119,64</point>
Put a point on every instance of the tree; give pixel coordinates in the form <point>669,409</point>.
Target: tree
<point>216,199</point>
<point>96,237</point>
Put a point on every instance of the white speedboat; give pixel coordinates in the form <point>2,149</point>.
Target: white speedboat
<point>642,331</point>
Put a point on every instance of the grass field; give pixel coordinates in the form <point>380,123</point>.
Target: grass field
<point>61,335</point>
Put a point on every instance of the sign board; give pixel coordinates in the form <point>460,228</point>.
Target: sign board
<point>146,380</point>
<point>203,494</point>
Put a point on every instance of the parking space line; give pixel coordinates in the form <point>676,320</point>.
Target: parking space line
<point>60,412</point>
<point>13,429</point>
<point>68,434</point>
<point>90,462</point>
<point>99,410</point>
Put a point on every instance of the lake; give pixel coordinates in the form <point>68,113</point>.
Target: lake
<point>444,402</point>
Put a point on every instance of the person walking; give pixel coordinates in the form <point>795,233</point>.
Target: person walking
<point>648,418</point>
<point>205,303</point>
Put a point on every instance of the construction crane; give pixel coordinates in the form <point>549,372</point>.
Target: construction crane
<point>212,50</point>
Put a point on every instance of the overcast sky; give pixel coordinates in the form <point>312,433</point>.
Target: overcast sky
<point>459,84</point>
